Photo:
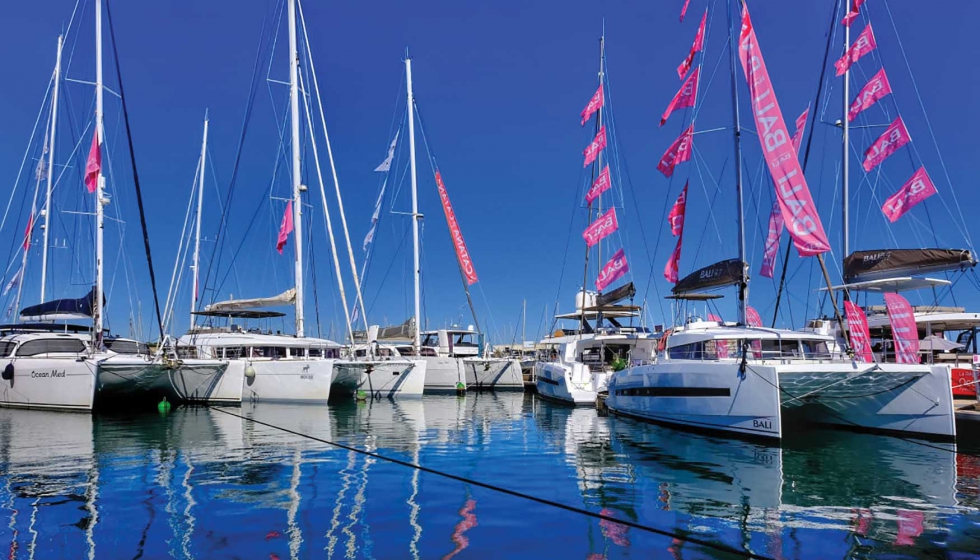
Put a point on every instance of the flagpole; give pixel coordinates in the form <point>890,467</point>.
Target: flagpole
<point>47,199</point>
<point>417,338</point>
<point>197,234</point>
<point>100,184</point>
<point>598,126</point>
<point>298,187</point>
<point>743,288</point>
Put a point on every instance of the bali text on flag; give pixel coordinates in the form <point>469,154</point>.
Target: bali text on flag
<point>685,97</point>
<point>772,242</point>
<point>696,48</point>
<point>462,253</point>
<point>285,228</point>
<point>857,327</point>
<point>876,88</point>
<point>864,44</point>
<point>593,106</point>
<point>597,145</point>
<point>678,152</point>
<point>894,137</point>
<point>800,127</point>
<point>905,333</point>
<point>792,192</point>
<point>601,185</point>
<point>918,188</point>
<point>598,230</point>
<point>616,268</point>
<point>93,165</point>
<point>677,213</point>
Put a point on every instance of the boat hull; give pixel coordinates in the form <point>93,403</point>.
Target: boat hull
<point>124,381</point>
<point>381,378</point>
<point>572,384</point>
<point>55,383</point>
<point>285,380</point>
<point>444,375</point>
<point>201,381</point>
<point>493,374</point>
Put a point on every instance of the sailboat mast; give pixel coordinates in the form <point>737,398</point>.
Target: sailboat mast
<point>598,126</point>
<point>417,339</point>
<point>100,183</point>
<point>197,232</point>
<point>47,196</point>
<point>743,287</point>
<point>846,210</point>
<point>297,172</point>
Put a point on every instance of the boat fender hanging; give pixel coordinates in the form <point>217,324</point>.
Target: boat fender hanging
<point>8,373</point>
<point>249,373</point>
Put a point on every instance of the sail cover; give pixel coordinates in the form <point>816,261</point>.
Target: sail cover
<point>617,295</point>
<point>725,273</point>
<point>62,308</point>
<point>286,298</point>
<point>862,266</point>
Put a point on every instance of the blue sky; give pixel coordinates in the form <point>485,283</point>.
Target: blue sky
<point>500,86</point>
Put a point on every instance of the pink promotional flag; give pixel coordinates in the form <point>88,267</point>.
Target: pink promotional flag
<point>678,152</point>
<point>852,13</point>
<point>673,265</point>
<point>27,232</point>
<point>894,137</point>
<point>593,106</point>
<point>864,44</point>
<point>795,203</point>
<point>857,326</point>
<point>677,213</point>
<point>876,88</point>
<point>286,227</point>
<point>698,45</point>
<point>685,97</point>
<point>905,334</point>
<point>772,242</point>
<point>800,127</point>
<point>462,254</point>
<point>601,185</point>
<point>684,9</point>
<point>752,317</point>
<point>598,144</point>
<point>914,191</point>
<point>615,269</point>
<point>601,228</point>
<point>715,318</point>
<point>93,166</point>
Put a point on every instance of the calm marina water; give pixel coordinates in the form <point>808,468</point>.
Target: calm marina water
<point>201,483</point>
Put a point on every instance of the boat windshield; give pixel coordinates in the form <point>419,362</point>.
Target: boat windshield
<point>764,349</point>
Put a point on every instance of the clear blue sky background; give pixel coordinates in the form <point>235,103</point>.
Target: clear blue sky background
<point>500,86</point>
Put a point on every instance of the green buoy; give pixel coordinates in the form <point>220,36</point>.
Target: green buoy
<point>460,388</point>
<point>163,406</point>
<point>361,396</point>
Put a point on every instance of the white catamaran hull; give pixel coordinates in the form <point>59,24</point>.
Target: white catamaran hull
<point>444,374</point>
<point>573,384</point>
<point>54,383</point>
<point>715,395</point>
<point>125,380</point>
<point>494,374</point>
<point>199,381</point>
<point>380,378</point>
<point>285,380</point>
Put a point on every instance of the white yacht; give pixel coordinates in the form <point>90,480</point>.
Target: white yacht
<point>744,380</point>
<point>379,371</point>
<point>457,360</point>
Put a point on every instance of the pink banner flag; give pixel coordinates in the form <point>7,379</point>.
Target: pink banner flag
<point>905,334</point>
<point>752,317</point>
<point>678,152</point>
<point>715,318</point>
<point>673,265</point>
<point>857,326</point>
<point>28,231</point>
<point>875,89</point>
<point>593,106</point>
<point>462,254</point>
<point>864,44</point>
<point>93,166</point>
<point>792,192</point>
<point>615,269</point>
<point>285,228</point>
<point>598,144</point>
<point>800,127</point>
<point>852,13</point>
<point>684,9</point>
<point>772,242</point>
<point>914,191</point>
<point>685,97</point>
<point>696,48</point>
<point>676,216</point>
<point>598,230</point>
<point>601,185</point>
<point>894,137</point>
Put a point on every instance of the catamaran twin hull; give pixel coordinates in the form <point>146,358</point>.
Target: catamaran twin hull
<point>381,378</point>
<point>285,380</point>
<point>914,399</point>
<point>451,374</point>
<point>199,381</point>
<point>571,383</point>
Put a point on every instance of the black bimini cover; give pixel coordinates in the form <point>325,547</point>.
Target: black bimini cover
<point>725,273</point>
<point>619,294</point>
<point>863,266</point>
<point>81,307</point>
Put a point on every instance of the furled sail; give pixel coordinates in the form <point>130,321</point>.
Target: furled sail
<point>863,266</point>
<point>615,296</point>
<point>62,309</point>
<point>286,298</point>
<point>725,273</point>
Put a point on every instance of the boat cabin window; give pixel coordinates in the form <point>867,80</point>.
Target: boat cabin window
<point>465,339</point>
<point>431,339</point>
<point>331,353</point>
<point>815,349</point>
<point>275,352</point>
<point>126,346</point>
<point>692,351</point>
<point>297,352</point>
<point>6,348</point>
<point>234,352</point>
<point>51,346</point>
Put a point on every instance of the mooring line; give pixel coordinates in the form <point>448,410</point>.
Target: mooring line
<point>514,493</point>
